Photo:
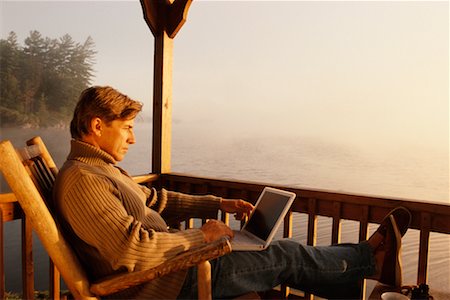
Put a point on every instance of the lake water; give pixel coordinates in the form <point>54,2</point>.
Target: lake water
<point>418,173</point>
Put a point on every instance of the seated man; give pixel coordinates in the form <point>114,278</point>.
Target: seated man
<point>116,225</point>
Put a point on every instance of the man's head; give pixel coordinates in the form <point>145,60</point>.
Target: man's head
<point>104,117</point>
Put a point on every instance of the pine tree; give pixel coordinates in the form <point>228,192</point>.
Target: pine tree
<point>41,82</point>
<point>32,71</point>
<point>9,57</point>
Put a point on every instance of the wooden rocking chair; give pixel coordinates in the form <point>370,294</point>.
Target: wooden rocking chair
<point>30,173</point>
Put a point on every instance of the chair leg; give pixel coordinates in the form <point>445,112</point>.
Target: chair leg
<point>204,281</point>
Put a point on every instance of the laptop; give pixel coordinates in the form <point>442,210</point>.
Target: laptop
<point>264,221</point>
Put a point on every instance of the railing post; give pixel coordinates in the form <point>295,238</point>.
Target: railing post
<point>312,222</point>
<point>225,217</point>
<point>312,230</point>
<point>54,281</point>
<point>336,229</point>
<point>27,259</point>
<point>364,223</point>
<point>2,258</point>
<point>425,224</point>
<point>363,235</point>
<point>287,233</point>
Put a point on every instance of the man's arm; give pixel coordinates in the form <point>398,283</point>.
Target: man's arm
<point>179,206</point>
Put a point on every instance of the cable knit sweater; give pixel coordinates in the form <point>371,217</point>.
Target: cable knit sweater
<point>115,224</point>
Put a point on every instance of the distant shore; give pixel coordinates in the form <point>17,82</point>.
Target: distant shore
<point>35,126</point>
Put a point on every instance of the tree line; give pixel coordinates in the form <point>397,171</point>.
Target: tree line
<point>40,82</point>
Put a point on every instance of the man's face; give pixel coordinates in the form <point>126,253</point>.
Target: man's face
<point>116,137</point>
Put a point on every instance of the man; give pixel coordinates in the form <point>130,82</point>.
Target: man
<point>116,225</point>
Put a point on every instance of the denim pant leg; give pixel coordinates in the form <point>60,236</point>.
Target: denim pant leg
<point>322,271</point>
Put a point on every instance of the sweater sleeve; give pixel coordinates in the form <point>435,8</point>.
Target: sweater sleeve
<point>176,207</point>
<point>92,208</point>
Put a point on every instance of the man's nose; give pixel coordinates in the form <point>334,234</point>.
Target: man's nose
<point>131,138</point>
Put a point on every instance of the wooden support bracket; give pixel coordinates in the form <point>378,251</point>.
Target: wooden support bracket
<point>167,16</point>
<point>151,14</point>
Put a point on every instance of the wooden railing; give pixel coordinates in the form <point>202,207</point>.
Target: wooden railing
<point>9,211</point>
<point>426,217</point>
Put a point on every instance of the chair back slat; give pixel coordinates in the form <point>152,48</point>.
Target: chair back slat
<point>42,167</point>
<point>43,152</point>
<point>46,178</point>
<point>40,173</point>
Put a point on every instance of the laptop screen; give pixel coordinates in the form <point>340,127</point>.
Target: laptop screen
<point>266,214</point>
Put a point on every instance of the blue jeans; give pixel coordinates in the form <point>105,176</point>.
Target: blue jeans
<point>327,271</point>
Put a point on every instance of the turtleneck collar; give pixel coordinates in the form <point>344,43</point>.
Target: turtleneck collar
<point>87,153</point>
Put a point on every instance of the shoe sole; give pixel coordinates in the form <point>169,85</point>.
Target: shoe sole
<point>398,260</point>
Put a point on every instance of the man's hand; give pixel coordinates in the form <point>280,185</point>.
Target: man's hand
<point>239,208</point>
<point>214,230</point>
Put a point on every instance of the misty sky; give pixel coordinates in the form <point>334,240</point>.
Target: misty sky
<point>355,71</point>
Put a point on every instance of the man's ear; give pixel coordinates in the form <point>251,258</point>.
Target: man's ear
<point>96,126</point>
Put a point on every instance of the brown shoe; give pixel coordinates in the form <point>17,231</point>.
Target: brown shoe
<point>391,229</point>
<point>402,218</point>
<point>391,271</point>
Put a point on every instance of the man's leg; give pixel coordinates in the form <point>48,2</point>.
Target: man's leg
<point>312,269</point>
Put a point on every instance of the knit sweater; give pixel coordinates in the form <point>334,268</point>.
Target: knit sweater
<point>116,225</point>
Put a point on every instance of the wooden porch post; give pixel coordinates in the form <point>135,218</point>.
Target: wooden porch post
<point>164,18</point>
<point>162,104</point>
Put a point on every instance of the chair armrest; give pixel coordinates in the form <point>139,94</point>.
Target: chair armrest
<point>182,261</point>
<point>140,179</point>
